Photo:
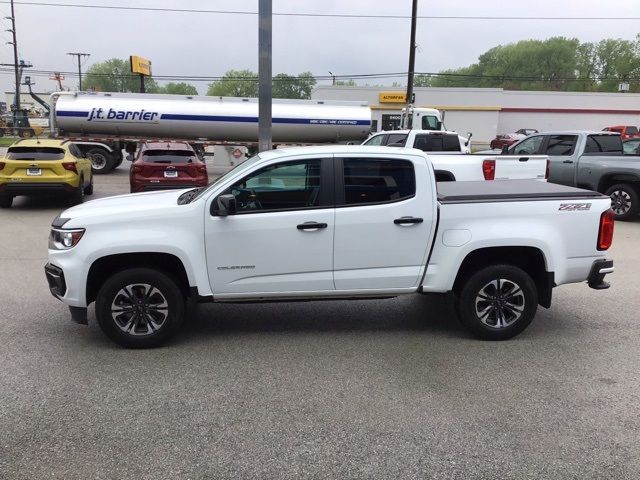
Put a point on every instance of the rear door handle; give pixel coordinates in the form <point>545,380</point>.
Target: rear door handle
<point>311,226</point>
<point>567,161</point>
<point>407,220</point>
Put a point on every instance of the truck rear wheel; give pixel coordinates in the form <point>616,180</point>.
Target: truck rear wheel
<point>140,308</point>
<point>625,201</point>
<point>101,160</point>
<point>497,302</point>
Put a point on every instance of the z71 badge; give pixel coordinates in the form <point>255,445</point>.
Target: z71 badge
<point>572,207</point>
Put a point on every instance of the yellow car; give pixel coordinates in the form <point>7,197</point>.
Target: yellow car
<point>39,166</point>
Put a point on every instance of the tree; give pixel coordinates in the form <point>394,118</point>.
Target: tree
<point>288,86</point>
<point>346,83</point>
<point>235,83</point>
<point>180,88</point>
<point>114,75</point>
<point>420,80</point>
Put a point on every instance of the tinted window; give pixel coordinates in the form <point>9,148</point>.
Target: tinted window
<point>168,156</point>
<point>375,181</point>
<point>375,140</point>
<point>603,143</point>
<point>35,153</point>
<point>529,146</point>
<point>437,143</point>
<point>429,122</point>
<point>283,186</point>
<point>561,144</point>
<point>631,148</point>
<point>631,130</point>
<point>399,138</point>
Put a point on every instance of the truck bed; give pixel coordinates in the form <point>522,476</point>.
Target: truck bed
<point>508,191</point>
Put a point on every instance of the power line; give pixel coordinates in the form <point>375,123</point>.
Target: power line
<point>315,15</point>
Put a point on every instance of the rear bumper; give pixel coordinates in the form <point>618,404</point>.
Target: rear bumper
<point>599,270</point>
<point>40,188</point>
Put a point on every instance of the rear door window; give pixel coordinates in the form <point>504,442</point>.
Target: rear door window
<point>377,180</point>
<point>169,156</point>
<point>561,145</point>
<point>603,144</point>
<point>437,143</point>
<point>375,140</point>
<point>397,139</point>
<point>35,153</point>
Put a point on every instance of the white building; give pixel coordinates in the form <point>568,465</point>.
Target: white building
<point>489,111</point>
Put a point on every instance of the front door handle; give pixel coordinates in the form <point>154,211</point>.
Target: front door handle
<point>311,226</point>
<point>567,161</point>
<point>407,220</point>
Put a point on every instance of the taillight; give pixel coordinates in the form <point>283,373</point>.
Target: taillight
<point>489,169</point>
<point>71,166</point>
<point>201,169</point>
<point>546,172</point>
<point>605,232</point>
<point>136,168</point>
<point>2,164</point>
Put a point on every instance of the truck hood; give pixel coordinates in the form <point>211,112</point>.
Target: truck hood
<point>124,206</point>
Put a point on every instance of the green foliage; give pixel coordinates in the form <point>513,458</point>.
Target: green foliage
<point>346,83</point>
<point>287,86</point>
<point>235,83</point>
<point>114,75</point>
<point>180,88</point>
<point>420,80</point>
<point>557,63</point>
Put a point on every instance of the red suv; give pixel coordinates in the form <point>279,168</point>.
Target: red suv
<point>625,131</point>
<point>166,165</point>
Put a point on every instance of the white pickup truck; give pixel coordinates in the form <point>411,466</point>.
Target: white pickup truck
<point>452,161</point>
<point>339,222</point>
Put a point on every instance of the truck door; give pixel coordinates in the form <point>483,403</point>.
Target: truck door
<point>383,222</point>
<point>281,238</point>
<point>560,150</point>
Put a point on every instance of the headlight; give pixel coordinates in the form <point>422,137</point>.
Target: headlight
<point>64,239</point>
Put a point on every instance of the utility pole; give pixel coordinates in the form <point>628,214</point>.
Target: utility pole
<point>264,75</point>
<point>79,55</point>
<point>15,62</point>
<point>412,52</point>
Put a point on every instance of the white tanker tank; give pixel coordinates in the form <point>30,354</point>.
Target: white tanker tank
<point>87,114</point>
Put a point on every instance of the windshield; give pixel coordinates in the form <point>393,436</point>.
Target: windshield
<point>35,153</point>
<point>237,169</point>
<point>169,156</point>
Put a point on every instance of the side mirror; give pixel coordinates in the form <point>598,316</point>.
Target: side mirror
<point>130,157</point>
<point>226,205</point>
<point>505,149</point>
<point>469,135</point>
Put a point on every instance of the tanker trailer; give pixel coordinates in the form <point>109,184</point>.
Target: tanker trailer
<point>102,124</point>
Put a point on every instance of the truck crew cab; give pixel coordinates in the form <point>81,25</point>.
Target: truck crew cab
<point>338,222</point>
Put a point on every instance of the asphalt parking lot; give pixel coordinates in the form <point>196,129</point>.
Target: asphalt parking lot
<point>367,389</point>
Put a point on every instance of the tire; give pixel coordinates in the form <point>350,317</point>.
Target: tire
<point>509,315</point>
<point>28,133</point>
<point>101,160</point>
<point>6,201</point>
<point>625,201</point>
<point>135,330</point>
<point>77,197</point>
<point>88,190</point>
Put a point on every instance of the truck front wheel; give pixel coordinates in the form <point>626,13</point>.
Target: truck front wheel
<point>101,160</point>
<point>625,201</point>
<point>497,302</point>
<point>139,308</point>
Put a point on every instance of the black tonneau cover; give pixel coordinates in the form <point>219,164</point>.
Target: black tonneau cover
<point>508,191</point>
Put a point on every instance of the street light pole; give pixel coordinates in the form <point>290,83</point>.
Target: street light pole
<point>79,55</point>
<point>264,75</point>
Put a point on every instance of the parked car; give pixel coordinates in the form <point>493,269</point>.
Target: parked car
<point>451,159</point>
<point>510,138</point>
<point>592,160</point>
<point>631,146</point>
<point>166,165</point>
<point>44,166</point>
<point>625,131</point>
<point>334,222</point>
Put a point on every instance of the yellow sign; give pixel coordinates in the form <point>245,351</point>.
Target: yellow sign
<point>140,65</point>
<point>392,97</point>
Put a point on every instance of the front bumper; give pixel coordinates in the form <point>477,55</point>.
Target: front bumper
<point>56,281</point>
<point>599,270</point>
